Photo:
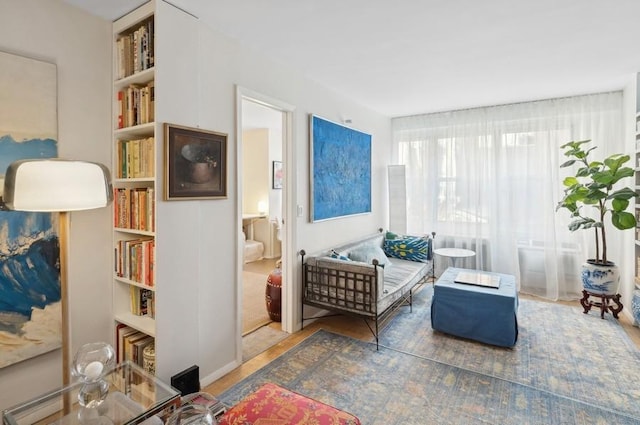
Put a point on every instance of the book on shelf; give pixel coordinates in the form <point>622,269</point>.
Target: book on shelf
<point>134,208</point>
<point>142,301</point>
<point>134,260</point>
<point>135,105</point>
<point>130,344</point>
<point>135,158</point>
<point>122,332</point>
<point>151,99</point>
<point>135,50</point>
<point>138,349</point>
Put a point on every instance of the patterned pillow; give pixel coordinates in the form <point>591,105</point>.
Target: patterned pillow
<point>367,253</point>
<point>338,255</point>
<point>411,248</point>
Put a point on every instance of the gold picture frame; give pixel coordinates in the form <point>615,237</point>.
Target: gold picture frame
<point>195,163</point>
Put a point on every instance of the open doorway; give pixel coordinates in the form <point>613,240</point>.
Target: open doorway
<point>261,210</point>
<point>264,130</point>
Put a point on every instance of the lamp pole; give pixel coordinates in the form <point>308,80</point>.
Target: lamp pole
<point>63,236</point>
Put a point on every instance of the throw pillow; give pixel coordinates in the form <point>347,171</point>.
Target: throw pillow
<point>367,253</point>
<point>338,255</point>
<point>411,248</point>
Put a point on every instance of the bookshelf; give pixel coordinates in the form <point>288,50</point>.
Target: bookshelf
<point>161,262</point>
<point>135,175</point>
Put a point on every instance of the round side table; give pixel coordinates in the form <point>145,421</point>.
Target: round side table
<point>454,253</point>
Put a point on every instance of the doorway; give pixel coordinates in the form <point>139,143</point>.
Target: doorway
<point>261,145</point>
<point>263,131</point>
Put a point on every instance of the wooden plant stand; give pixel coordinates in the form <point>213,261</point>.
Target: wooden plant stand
<point>604,303</point>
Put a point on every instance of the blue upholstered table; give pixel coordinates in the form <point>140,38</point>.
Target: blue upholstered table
<point>483,314</point>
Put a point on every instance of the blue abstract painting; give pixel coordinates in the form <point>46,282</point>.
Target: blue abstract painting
<point>340,170</point>
<point>30,298</point>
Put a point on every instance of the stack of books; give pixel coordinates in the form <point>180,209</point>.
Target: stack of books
<point>214,405</point>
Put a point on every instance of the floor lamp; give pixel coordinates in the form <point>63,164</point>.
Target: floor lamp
<point>58,185</point>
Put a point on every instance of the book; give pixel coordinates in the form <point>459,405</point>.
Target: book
<point>215,406</point>
<point>479,279</point>
<point>138,348</point>
<point>122,332</point>
<point>129,342</point>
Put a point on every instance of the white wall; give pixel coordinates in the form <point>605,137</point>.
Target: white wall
<point>225,65</point>
<point>204,233</point>
<point>255,170</point>
<point>79,45</point>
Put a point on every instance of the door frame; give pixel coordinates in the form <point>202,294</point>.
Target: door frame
<point>288,228</point>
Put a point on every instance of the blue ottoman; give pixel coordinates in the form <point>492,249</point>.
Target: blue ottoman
<point>484,314</point>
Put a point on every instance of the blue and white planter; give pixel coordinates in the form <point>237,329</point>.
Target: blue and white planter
<point>600,279</point>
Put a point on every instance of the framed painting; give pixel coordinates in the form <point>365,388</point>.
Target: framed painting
<point>277,175</point>
<point>340,170</point>
<point>30,294</point>
<point>195,163</point>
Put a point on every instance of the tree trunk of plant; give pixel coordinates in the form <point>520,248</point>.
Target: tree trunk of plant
<point>603,211</point>
<point>604,246</point>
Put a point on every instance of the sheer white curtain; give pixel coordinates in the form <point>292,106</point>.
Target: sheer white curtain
<point>488,179</point>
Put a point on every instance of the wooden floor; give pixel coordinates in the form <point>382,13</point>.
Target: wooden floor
<point>354,328</point>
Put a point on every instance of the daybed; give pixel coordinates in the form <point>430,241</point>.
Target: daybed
<point>368,278</point>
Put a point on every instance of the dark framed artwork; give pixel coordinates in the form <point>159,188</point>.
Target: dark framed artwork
<point>340,170</point>
<point>30,286</point>
<point>195,163</point>
<point>277,174</point>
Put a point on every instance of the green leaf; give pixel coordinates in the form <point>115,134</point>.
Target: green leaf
<point>582,222</point>
<point>570,181</point>
<point>623,220</point>
<point>619,204</point>
<point>624,193</point>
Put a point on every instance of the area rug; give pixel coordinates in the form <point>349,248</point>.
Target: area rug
<point>254,307</point>
<point>260,340</point>
<point>559,349</point>
<point>566,368</point>
<point>392,387</point>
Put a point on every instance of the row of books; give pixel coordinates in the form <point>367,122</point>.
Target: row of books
<point>135,158</point>
<point>135,260</point>
<point>135,50</point>
<point>136,104</point>
<point>134,208</point>
<point>130,344</point>
<point>142,301</point>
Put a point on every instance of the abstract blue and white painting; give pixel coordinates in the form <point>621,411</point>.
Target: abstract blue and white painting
<point>30,299</point>
<point>340,170</point>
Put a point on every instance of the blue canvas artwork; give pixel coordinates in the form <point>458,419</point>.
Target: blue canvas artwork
<point>341,170</point>
<point>30,298</point>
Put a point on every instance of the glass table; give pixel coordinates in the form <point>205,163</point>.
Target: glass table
<point>135,396</point>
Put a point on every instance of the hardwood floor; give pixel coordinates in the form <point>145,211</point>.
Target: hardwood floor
<point>354,328</point>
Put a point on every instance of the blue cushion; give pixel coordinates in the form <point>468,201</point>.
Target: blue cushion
<point>412,248</point>
<point>367,253</point>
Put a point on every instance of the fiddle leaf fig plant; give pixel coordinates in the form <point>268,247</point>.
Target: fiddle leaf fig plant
<point>593,186</point>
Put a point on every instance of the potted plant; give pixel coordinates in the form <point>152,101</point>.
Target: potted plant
<point>593,186</point>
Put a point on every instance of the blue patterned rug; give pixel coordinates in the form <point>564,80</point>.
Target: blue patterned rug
<point>566,368</point>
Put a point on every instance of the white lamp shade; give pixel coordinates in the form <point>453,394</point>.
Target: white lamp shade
<point>50,185</point>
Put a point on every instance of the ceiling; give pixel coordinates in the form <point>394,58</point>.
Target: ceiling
<point>416,56</point>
